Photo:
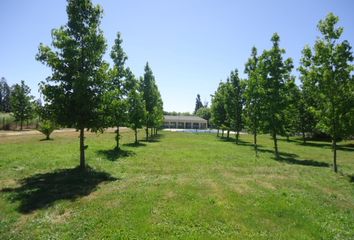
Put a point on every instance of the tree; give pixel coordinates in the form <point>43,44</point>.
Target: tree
<point>275,73</point>
<point>235,102</point>
<point>117,89</point>
<point>327,69</point>
<point>46,127</point>
<point>21,103</point>
<point>150,96</point>
<point>204,113</point>
<point>198,104</point>
<point>5,91</point>
<point>292,96</point>
<point>74,90</point>
<point>218,112</point>
<point>136,107</point>
<point>253,97</point>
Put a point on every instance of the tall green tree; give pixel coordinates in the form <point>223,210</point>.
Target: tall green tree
<point>275,73</point>
<point>218,111</point>
<point>136,106</point>
<point>253,97</point>
<point>5,91</point>
<point>74,90</point>
<point>292,96</point>
<point>328,70</point>
<point>235,103</point>
<point>150,96</point>
<point>21,103</point>
<point>198,104</point>
<point>117,90</point>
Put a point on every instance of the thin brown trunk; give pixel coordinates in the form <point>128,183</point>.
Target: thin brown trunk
<point>217,133</point>
<point>117,138</point>
<point>228,134</point>
<point>21,124</point>
<point>334,148</point>
<point>136,136</point>
<point>147,133</point>
<point>151,132</point>
<point>275,145</point>
<point>82,149</point>
<point>255,143</point>
<point>222,133</point>
<point>303,137</point>
<point>237,136</point>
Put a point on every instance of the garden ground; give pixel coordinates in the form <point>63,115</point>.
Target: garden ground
<point>178,186</point>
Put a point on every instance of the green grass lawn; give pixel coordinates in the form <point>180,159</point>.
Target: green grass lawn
<point>180,186</point>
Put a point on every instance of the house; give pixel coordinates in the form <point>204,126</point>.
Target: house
<point>184,122</point>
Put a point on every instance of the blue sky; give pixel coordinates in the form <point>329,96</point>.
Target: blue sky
<point>191,45</point>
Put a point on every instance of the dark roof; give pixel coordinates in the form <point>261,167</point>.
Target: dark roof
<point>184,118</point>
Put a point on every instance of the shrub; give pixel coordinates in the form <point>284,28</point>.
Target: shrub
<point>46,127</point>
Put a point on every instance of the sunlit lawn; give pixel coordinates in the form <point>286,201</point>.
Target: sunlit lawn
<point>179,186</point>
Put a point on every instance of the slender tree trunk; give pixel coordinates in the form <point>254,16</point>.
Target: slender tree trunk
<point>287,138</point>
<point>136,136</point>
<point>21,124</point>
<point>255,142</point>
<point>217,133</point>
<point>303,137</point>
<point>151,132</point>
<point>82,149</point>
<point>117,138</point>
<point>237,136</point>
<point>334,149</point>
<point>147,133</point>
<point>228,134</point>
<point>222,133</point>
<point>275,145</point>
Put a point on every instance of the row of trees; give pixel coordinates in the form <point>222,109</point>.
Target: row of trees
<point>84,91</point>
<point>18,100</point>
<point>269,101</point>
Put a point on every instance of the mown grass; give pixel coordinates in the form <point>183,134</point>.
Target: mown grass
<point>179,186</point>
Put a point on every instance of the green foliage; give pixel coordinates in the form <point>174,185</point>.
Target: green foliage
<point>47,127</point>
<point>234,101</point>
<point>152,99</point>
<point>275,73</point>
<point>5,92</point>
<point>205,113</point>
<point>115,102</point>
<point>73,92</point>
<point>218,111</point>
<point>136,107</point>
<point>292,110</point>
<point>327,73</point>
<point>22,108</point>
<point>254,93</point>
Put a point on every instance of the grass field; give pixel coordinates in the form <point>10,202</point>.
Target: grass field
<point>180,186</point>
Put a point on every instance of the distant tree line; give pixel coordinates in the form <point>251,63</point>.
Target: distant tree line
<point>84,91</point>
<point>269,101</point>
<point>18,101</point>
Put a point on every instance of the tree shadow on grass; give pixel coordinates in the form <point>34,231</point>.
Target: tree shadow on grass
<point>44,189</point>
<point>139,144</point>
<point>115,154</point>
<point>351,178</point>
<point>292,158</point>
<point>240,142</point>
<point>155,138</point>
<point>46,140</point>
